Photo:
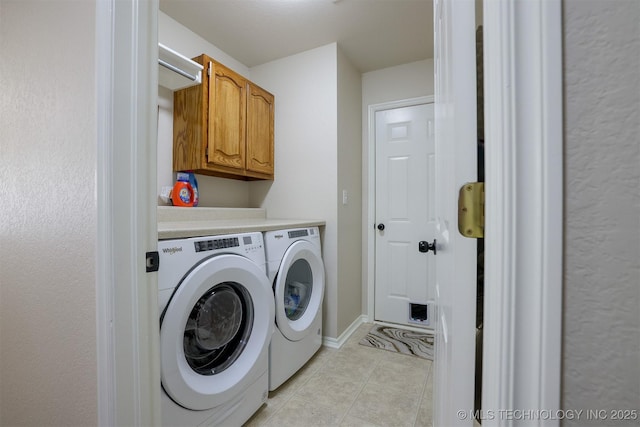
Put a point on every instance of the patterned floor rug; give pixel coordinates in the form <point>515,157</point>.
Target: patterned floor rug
<point>400,340</point>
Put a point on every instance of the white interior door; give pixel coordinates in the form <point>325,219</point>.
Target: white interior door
<point>405,215</point>
<point>456,145</point>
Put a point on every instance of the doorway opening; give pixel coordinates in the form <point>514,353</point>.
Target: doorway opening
<point>480,266</point>
<point>404,146</point>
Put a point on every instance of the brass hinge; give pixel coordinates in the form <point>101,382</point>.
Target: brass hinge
<point>471,210</point>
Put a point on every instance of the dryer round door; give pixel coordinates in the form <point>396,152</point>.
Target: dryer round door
<point>216,327</point>
<point>299,289</point>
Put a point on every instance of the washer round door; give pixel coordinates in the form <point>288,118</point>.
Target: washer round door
<point>299,290</point>
<point>215,329</point>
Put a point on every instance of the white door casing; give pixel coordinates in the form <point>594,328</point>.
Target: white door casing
<point>128,358</point>
<point>137,397</point>
<point>524,204</point>
<point>456,149</point>
<point>405,168</point>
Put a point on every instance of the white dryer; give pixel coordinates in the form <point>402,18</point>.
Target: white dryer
<point>216,323</point>
<point>296,270</point>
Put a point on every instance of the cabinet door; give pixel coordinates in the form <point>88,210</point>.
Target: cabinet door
<point>227,118</point>
<point>260,116</point>
<point>190,116</point>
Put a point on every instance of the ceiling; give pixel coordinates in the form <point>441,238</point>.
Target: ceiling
<point>373,34</point>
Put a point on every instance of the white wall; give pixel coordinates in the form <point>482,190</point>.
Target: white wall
<point>601,330</point>
<point>213,191</point>
<point>48,215</point>
<point>349,179</point>
<point>390,84</point>
<point>305,184</point>
<point>395,83</point>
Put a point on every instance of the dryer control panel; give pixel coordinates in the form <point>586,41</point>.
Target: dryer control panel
<point>294,234</point>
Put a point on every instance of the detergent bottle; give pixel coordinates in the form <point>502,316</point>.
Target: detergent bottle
<point>194,185</point>
<point>182,193</point>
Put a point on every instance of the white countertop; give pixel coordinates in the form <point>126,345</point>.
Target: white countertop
<point>176,222</point>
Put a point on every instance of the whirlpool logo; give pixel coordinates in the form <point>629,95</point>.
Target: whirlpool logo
<point>173,250</point>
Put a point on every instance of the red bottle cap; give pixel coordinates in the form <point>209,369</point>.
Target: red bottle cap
<point>182,194</point>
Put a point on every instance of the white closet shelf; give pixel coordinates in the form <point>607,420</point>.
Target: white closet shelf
<point>176,71</point>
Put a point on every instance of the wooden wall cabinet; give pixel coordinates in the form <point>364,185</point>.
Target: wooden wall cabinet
<point>224,126</point>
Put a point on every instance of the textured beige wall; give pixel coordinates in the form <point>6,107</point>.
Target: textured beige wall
<point>48,213</point>
<point>349,179</point>
<point>601,331</point>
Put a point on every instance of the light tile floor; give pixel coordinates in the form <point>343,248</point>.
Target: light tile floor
<point>353,386</point>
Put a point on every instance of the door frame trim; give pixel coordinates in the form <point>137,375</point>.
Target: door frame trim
<point>127,327</point>
<point>524,207</point>
<point>369,235</point>
<point>507,31</point>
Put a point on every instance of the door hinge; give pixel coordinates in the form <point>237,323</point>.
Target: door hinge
<point>471,210</point>
<point>153,261</point>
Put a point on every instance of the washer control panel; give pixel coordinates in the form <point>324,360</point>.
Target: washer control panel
<point>251,244</point>
<point>213,244</point>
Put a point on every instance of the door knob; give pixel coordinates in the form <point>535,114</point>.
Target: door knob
<point>380,227</point>
<point>424,246</point>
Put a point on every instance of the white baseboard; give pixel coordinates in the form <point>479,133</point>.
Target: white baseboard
<point>339,342</point>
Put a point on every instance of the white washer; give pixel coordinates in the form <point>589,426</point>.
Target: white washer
<point>295,267</point>
<point>216,323</point>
